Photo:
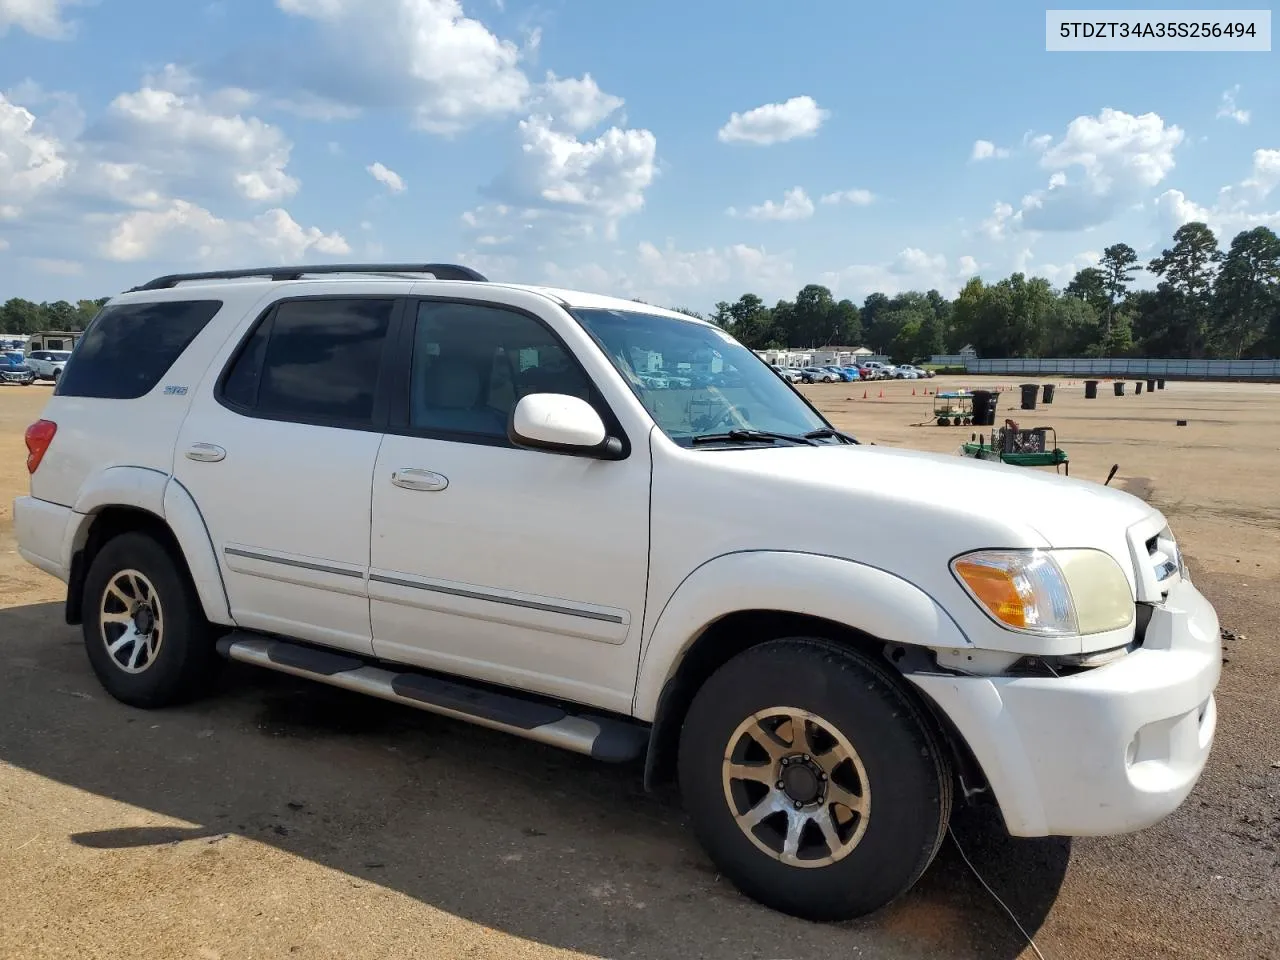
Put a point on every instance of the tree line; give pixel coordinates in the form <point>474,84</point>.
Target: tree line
<point>1207,303</point>
<point>18,316</point>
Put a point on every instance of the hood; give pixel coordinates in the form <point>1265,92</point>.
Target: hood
<point>962,503</point>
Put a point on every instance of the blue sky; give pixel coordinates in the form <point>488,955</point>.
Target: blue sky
<point>678,152</point>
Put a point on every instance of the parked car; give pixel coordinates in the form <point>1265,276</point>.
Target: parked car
<point>852,373</point>
<point>905,371</point>
<point>818,375</point>
<point>821,692</point>
<point>874,370</point>
<point>14,368</point>
<point>48,364</point>
<point>842,375</point>
<point>791,376</point>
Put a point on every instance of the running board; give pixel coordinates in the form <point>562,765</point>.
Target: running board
<point>603,738</point>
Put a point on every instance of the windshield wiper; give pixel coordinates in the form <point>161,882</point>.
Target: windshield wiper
<point>752,436</point>
<point>832,433</point>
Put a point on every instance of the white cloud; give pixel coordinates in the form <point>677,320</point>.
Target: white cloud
<point>387,177</point>
<point>669,268</point>
<point>111,193</point>
<point>177,136</point>
<point>1060,274</point>
<point>40,18</point>
<point>856,197</point>
<point>576,105</point>
<point>996,227</point>
<point>1100,166</point>
<point>911,269</point>
<point>795,205</point>
<point>426,56</point>
<point>986,150</point>
<point>1238,206</point>
<point>775,122</point>
<point>1228,109</point>
<point>581,187</point>
<point>31,162</point>
<point>184,231</point>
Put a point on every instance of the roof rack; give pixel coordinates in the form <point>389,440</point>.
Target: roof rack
<point>440,271</point>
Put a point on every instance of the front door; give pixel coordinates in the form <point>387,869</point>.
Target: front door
<point>278,455</point>
<point>519,567</point>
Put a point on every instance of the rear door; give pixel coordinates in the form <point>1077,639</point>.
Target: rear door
<point>278,452</point>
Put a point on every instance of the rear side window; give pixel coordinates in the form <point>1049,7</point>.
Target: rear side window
<point>128,348</point>
<point>312,360</point>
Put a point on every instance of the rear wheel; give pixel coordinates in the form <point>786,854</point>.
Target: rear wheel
<point>812,780</point>
<point>144,630</point>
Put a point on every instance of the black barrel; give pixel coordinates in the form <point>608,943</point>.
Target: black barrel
<point>1029,391</point>
<point>1119,388</point>
<point>1151,386</point>
<point>1091,389</point>
<point>1047,396</point>
<point>984,408</point>
<point>1160,383</point>
<point>1137,388</point>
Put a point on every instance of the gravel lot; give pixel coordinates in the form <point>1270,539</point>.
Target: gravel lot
<point>283,819</point>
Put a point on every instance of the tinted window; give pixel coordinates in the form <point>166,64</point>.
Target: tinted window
<point>471,363</point>
<point>128,348</point>
<point>315,360</point>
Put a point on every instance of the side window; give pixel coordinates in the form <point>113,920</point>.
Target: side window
<point>129,347</point>
<point>471,363</point>
<point>312,360</point>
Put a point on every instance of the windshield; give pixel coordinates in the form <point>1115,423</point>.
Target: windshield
<point>695,379</point>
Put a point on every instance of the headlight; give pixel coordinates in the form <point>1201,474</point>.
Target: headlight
<point>1052,593</point>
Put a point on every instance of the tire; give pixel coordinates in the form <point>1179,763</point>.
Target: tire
<point>897,769</point>
<point>56,375</point>
<point>174,662</point>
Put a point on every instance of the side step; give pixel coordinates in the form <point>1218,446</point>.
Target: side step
<point>603,738</point>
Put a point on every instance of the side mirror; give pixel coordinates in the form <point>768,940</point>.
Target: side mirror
<point>558,422</point>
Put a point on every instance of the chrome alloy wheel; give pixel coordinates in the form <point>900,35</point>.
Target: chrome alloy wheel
<point>131,621</point>
<point>796,787</point>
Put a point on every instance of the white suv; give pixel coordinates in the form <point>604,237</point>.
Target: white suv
<point>48,364</point>
<point>460,496</point>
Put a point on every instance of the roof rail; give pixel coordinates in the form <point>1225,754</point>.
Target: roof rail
<point>440,271</point>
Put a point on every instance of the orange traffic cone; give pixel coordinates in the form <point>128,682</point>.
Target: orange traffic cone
<point>913,391</point>
<point>864,394</point>
<point>881,397</point>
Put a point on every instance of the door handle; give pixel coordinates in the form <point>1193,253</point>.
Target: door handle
<point>411,478</point>
<point>206,452</point>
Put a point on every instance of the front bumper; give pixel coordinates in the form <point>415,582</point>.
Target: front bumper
<point>18,377</point>
<point>1105,751</point>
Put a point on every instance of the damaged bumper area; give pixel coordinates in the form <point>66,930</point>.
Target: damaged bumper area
<point>1103,751</point>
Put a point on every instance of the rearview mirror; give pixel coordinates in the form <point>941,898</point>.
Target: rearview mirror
<point>559,422</point>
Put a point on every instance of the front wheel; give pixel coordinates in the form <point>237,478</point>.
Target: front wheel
<point>813,781</point>
<point>144,629</point>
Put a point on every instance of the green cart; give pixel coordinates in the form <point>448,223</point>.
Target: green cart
<point>1037,447</point>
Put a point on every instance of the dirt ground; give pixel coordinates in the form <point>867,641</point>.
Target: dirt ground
<point>284,819</point>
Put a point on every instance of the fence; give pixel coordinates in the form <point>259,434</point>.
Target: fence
<point>1125,367</point>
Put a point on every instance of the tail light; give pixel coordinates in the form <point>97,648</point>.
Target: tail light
<point>39,436</point>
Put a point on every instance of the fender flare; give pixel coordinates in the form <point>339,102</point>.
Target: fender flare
<point>162,496</point>
<point>855,594</point>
